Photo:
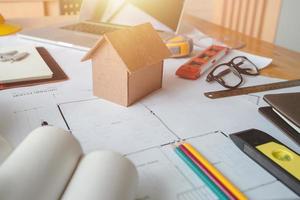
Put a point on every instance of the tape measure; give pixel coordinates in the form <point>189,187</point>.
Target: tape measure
<point>180,46</point>
<point>252,89</point>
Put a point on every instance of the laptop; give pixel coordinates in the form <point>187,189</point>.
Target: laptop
<point>100,16</point>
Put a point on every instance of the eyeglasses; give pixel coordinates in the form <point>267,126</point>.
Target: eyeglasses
<point>229,74</point>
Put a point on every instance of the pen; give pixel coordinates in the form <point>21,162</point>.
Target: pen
<point>19,56</point>
<point>10,53</point>
<point>7,55</point>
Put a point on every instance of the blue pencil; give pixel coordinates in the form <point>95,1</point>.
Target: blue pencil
<point>218,192</point>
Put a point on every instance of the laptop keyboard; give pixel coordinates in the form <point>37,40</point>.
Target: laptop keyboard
<point>90,28</point>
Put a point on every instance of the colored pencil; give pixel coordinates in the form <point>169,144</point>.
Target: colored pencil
<point>232,188</point>
<point>208,173</point>
<point>219,193</point>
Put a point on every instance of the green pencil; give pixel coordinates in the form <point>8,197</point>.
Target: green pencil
<point>218,192</point>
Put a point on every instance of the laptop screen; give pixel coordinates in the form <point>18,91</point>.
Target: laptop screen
<point>162,14</point>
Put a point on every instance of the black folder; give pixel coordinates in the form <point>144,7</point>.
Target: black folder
<point>288,106</point>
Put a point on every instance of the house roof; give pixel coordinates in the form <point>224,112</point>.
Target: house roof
<point>137,46</point>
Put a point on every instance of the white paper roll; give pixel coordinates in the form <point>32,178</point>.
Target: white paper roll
<point>103,175</point>
<point>5,149</point>
<point>40,167</point>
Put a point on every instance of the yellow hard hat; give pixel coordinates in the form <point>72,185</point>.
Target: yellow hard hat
<point>6,29</point>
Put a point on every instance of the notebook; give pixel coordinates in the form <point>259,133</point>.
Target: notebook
<point>49,164</point>
<point>32,67</point>
<point>284,111</point>
<point>58,73</point>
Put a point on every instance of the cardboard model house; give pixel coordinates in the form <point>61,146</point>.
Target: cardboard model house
<point>128,64</point>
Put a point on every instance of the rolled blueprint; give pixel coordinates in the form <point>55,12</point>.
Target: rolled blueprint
<point>5,149</point>
<point>49,165</point>
<point>40,167</point>
<point>103,175</point>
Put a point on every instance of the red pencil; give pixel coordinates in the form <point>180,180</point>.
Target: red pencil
<point>207,172</point>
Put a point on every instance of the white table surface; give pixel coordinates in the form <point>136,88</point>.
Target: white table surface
<point>177,111</point>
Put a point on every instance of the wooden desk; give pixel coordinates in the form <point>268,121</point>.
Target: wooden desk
<point>286,63</point>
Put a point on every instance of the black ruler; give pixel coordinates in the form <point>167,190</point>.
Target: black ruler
<point>252,89</point>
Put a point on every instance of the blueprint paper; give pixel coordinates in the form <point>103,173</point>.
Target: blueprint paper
<point>228,159</point>
<point>100,124</point>
<point>160,178</point>
<point>272,191</point>
<point>163,175</point>
<point>190,117</point>
<point>21,114</point>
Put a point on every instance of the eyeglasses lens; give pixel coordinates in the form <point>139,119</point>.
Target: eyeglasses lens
<point>227,75</point>
<point>246,66</point>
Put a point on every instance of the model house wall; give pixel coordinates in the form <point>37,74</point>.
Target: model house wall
<point>128,64</point>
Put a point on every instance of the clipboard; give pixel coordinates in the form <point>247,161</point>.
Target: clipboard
<point>58,73</point>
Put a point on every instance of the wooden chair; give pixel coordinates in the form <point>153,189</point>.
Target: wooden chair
<point>257,18</point>
<point>70,7</point>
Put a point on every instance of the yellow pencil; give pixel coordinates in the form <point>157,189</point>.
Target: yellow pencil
<point>233,189</point>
